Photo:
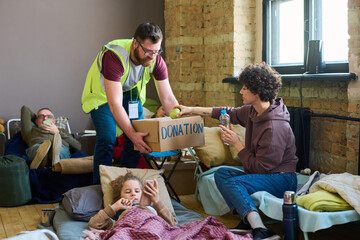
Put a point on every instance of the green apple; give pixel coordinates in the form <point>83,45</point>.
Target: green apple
<point>174,112</point>
<point>47,122</point>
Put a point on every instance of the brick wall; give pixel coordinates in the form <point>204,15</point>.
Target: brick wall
<point>204,45</point>
<point>352,129</point>
<point>328,136</point>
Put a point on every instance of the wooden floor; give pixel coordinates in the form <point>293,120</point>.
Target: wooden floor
<point>24,218</point>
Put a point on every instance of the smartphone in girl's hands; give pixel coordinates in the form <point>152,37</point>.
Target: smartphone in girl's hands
<point>145,199</point>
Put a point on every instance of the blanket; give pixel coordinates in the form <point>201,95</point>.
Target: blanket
<point>75,165</point>
<point>211,198</point>
<point>345,184</point>
<point>323,201</point>
<point>140,224</point>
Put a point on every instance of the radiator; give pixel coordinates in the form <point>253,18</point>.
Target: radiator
<point>300,124</point>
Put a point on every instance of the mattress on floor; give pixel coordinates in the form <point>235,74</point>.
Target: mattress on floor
<point>66,228</point>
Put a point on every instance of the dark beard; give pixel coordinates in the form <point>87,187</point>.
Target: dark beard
<point>146,62</point>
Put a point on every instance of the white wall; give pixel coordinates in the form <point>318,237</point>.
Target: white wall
<point>47,47</point>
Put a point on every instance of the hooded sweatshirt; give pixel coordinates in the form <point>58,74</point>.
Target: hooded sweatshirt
<point>269,139</point>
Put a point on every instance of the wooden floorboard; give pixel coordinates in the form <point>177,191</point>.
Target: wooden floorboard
<point>2,229</point>
<point>30,216</point>
<point>12,221</point>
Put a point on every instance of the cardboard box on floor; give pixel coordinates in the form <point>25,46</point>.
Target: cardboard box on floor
<point>167,134</point>
<point>182,179</point>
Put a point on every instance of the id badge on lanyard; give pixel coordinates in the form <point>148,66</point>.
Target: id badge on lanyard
<point>134,105</point>
<point>134,109</point>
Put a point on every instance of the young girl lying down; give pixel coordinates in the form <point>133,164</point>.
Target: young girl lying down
<point>134,222</point>
<point>130,193</point>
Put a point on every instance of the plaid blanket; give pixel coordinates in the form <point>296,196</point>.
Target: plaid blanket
<point>140,224</point>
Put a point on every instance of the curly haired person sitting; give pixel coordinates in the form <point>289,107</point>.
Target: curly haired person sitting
<point>268,154</point>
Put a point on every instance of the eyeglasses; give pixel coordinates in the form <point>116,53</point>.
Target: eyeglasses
<point>42,116</point>
<point>148,52</point>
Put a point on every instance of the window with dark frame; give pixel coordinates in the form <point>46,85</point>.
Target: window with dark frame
<point>288,25</point>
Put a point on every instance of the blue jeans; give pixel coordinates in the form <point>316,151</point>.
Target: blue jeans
<point>105,127</point>
<point>236,187</point>
<point>31,151</point>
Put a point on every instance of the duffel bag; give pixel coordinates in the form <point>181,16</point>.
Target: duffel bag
<point>14,181</point>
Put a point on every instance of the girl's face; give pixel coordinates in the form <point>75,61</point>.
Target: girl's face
<point>131,190</point>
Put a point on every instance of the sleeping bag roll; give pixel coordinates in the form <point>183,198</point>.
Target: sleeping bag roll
<point>14,181</point>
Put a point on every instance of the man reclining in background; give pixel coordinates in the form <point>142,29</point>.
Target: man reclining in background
<point>47,143</point>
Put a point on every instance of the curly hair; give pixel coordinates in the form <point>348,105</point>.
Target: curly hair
<point>261,79</point>
<point>148,31</point>
<point>118,184</point>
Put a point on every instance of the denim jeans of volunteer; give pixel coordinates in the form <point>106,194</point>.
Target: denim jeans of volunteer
<point>236,187</point>
<point>129,157</point>
<point>31,151</point>
<point>105,127</point>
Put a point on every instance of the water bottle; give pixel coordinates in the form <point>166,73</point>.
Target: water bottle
<point>290,217</point>
<point>225,120</point>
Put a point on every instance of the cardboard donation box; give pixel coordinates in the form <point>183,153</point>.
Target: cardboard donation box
<point>169,134</point>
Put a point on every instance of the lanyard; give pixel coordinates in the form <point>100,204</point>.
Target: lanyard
<point>141,85</point>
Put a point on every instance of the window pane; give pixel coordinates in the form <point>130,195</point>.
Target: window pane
<point>287,32</point>
<point>335,30</point>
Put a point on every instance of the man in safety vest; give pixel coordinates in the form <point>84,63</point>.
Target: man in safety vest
<point>115,90</point>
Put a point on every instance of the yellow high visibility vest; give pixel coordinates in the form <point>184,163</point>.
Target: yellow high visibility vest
<point>94,94</point>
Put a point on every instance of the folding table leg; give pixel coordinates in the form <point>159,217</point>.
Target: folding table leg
<point>198,172</point>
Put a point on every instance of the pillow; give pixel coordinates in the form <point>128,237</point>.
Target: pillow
<point>109,174</point>
<point>82,203</point>
<point>240,131</point>
<point>215,152</point>
<point>61,122</point>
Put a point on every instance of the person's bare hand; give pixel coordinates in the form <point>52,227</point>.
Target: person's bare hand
<point>50,128</point>
<point>122,203</point>
<point>138,140</point>
<point>230,137</point>
<point>184,110</point>
<point>152,191</point>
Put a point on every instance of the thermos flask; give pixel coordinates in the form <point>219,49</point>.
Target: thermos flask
<point>290,217</point>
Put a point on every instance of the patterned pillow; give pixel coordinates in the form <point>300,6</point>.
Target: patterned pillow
<point>62,122</point>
